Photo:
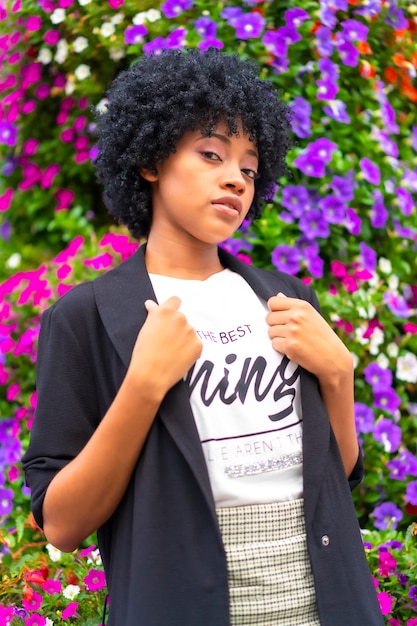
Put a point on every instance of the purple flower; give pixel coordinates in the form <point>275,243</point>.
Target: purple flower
<point>353,222</point>
<point>368,257</point>
<point>6,501</point>
<point>135,34</point>
<point>327,15</point>
<point>371,8</point>
<point>155,46</point>
<point>387,144</point>
<point>387,110</point>
<point>336,109</point>
<point>378,377</point>
<point>322,148</point>
<point>249,25</point>
<point>274,43</point>
<point>328,69</point>
<point>397,304</point>
<point>410,179</point>
<point>370,171</point>
<point>344,186</point>
<point>387,515</point>
<point>414,138</point>
<point>310,165</point>
<point>295,198</point>
<point>349,55</point>
<point>405,201</point>
<point>176,39</point>
<point>205,27</point>
<point>364,418</point>
<point>386,432</point>
<point>379,214</point>
<point>8,134</point>
<point>411,494</point>
<point>295,17</point>
<point>300,121</point>
<point>312,224</point>
<point>286,259</point>
<point>333,208</point>
<point>412,592</point>
<point>354,30</point>
<point>230,14</point>
<point>289,34</point>
<point>327,89</point>
<point>172,8</point>
<point>396,17</point>
<point>280,66</point>
<point>314,262</point>
<point>324,41</point>
<point>210,42</point>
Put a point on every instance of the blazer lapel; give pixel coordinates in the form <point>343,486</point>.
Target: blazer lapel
<point>120,295</point>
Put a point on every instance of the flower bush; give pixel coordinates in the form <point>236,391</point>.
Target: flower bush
<point>344,220</point>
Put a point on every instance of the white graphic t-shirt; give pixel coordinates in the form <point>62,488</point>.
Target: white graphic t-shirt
<point>244,394</point>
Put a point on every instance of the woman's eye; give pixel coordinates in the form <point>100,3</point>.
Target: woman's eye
<point>251,174</point>
<point>212,156</point>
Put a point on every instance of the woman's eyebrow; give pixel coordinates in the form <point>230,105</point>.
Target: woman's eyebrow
<point>225,139</point>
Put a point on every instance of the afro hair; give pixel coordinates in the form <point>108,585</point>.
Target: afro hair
<point>159,98</point>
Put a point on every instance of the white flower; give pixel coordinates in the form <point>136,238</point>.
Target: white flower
<point>153,15</point>
<point>69,86</point>
<point>71,591</point>
<point>80,44</point>
<point>383,361</point>
<point>393,282</point>
<point>107,29</point>
<point>61,51</point>
<point>58,16</point>
<point>101,107</point>
<point>407,368</point>
<point>359,335</point>
<point>116,53</point>
<point>54,553</point>
<point>44,56</point>
<point>355,360</point>
<point>49,622</point>
<point>116,19</point>
<point>82,71</point>
<point>385,265</point>
<point>95,557</point>
<point>14,260</point>
<point>83,2</point>
<point>139,18</point>
<point>392,350</point>
<point>376,339</point>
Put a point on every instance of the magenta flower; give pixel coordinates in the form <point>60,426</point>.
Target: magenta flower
<point>6,199</point>
<point>385,602</point>
<point>70,610</point>
<point>387,563</point>
<point>34,603</point>
<point>95,580</point>
<point>370,171</point>
<point>34,23</point>
<point>286,259</point>
<point>35,620</point>
<point>135,34</point>
<point>52,586</point>
<point>115,4</point>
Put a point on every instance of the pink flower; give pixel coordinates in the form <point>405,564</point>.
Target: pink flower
<point>115,4</point>
<point>35,620</point>
<point>387,564</point>
<point>70,610</point>
<point>30,146</point>
<point>385,602</point>
<point>34,603</point>
<point>394,622</point>
<point>338,269</point>
<point>12,393</point>
<point>34,23</point>
<point>95,580</point>
<point>70,251</point>
<point>67,135</point>
<point>412,621</point>
<point>64,197</point>
<point>52,37</point>
<point>28,106</point>
<point>350,284</point>
<point>52,586</point>
<point>63,271</point>
<point>62,118</point>
<point>80,122</point>
<point>99,262</point>
<point>120,244</point>
<point>6,199</point>
<point>49,175</point>
<point>42,91</point>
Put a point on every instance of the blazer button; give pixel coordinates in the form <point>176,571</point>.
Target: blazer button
<point>325,540</point>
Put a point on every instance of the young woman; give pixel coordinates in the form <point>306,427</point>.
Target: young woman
<point>198,411</point>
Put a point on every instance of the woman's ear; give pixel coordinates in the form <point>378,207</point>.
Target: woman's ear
<point>149,174</point>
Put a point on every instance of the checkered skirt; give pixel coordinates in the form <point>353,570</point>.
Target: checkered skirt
<point>269,570</point>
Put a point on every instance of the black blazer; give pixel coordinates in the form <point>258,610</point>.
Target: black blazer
<point>162,549</point>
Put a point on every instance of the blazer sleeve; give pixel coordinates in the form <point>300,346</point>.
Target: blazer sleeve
<point>67,410</point>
